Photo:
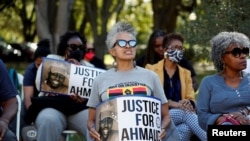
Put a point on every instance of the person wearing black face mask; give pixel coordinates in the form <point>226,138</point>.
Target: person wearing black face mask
<point>71,48</point>
<point>75,51</point>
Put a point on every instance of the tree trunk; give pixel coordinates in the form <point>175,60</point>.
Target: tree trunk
<point>53,30</point>
<point>42,20</point>
<point>165,14</point>
<point>99,18</point>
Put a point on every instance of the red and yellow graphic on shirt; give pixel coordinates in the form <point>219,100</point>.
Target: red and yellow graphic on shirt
<point>132,90</point>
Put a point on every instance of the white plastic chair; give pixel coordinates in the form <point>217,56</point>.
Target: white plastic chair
<point>18,116</point>
<point>20,81</point>
<point>19,100</point>
<point>68,133</point>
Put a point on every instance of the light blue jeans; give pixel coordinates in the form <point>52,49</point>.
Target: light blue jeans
<point>172,133</point>
<point>9,136</point>
<point>50,123</point>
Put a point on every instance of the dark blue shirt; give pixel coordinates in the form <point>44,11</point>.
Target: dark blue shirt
<point>30,77</point>
<point>7,88</point>
<point>172,86</point>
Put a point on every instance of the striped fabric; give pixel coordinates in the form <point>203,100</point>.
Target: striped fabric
<point>131,90</point>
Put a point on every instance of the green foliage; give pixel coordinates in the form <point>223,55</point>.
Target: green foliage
<point>5,3</point>
<point>139,13</point>
<point>214,16</point>
<point>17,21</point>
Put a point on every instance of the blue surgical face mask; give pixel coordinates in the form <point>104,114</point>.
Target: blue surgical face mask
<point>174,55</point>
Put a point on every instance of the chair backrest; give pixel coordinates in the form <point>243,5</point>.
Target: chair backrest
<point>14,77</point>
<point>17,80</point>
<point>20,83</point>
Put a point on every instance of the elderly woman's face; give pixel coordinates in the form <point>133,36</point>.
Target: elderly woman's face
<point>235,57</point>
<point>124,47</point>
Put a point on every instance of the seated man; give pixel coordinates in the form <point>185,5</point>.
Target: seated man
<point>8,104</point>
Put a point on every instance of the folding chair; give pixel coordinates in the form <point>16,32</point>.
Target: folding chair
<point>18,116</point>
<point>20,82</point>
<point>69,133</point>
<point>19,100</point>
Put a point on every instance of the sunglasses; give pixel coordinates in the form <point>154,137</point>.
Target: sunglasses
<point>236,52</point>
<point>75,47</point>
<point>123,43</point>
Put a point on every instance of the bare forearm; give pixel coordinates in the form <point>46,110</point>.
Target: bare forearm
<point>165,116</point>
<point>9,110</point>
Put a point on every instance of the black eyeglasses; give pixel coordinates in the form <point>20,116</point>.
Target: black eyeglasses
<point>236,52</point>
<point>75,47</point>
<point>123,43</point>
<point>175,47</point>
<point>90,50</point>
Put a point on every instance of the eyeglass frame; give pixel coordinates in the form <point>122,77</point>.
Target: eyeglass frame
<point>127,43</point>
<point>74,47</point>
<point>90,50</point>
<point>175,47</point>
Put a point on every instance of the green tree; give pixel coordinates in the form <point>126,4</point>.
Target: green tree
<point>53,19</point>
<point>18,19</point>
<point>5,3</point>
<point>100,16</point>
<point>166,12</point>
<point>214,16</point>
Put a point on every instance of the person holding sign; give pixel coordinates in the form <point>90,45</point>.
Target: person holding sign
<point>120,82</point>
<point>54,112</point>
<point>177,84</point>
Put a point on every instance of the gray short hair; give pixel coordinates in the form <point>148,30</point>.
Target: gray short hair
<point>221,42</point>
<point>118,28</point>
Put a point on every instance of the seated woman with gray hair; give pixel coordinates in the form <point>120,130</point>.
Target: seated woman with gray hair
<point>224,96</point>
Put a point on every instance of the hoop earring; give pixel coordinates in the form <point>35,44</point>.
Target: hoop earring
<point>165,55</point>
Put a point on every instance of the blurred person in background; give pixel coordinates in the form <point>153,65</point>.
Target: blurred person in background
<point>29,87</point>
<point>178,89</point>
<point>154,53</point>
<point>92,58</point>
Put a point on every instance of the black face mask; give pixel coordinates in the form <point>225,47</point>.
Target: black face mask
<point>77,54</point>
